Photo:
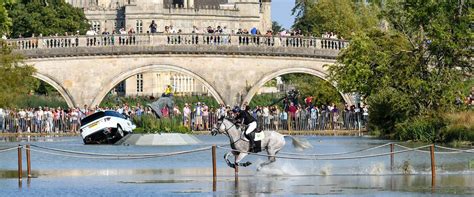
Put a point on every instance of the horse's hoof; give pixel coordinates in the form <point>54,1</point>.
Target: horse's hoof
<point>231,165</point>
<point>246,164</point>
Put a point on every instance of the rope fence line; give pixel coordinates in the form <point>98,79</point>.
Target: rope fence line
<point>334,158</point>
<point>341,153</point>
<point>113,156</point>
<point>454,150</point>
<point>8,149</point>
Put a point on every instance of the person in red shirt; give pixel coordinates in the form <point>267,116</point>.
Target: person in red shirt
<point>308,100</point>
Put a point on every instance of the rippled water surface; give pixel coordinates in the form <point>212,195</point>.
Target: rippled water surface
<point>191,174</point>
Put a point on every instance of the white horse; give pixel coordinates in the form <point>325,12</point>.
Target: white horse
<point>273,142</point>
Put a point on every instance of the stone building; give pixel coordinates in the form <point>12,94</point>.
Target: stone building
<point>112,15</point>
<point>182,14</point>
<point>154,84</point>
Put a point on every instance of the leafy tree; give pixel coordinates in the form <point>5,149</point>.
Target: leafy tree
<point>276,27</point>
<point>343,17</point>
<point>15,77</point>
<point>309,85</point>
<point>46,17</point>
<point>422,59</point>
<point>5,20</point>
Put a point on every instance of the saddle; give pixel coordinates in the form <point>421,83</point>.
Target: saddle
<point>257,135</point>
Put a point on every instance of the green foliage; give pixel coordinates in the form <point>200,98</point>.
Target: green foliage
<point>414,69</point>
<point>265,99</point>
<point>343,17</point>
<point>32,101</point>
<point>15,76</point>
<point>47,17</point>
<point>46,89</point>
<point>150,124</point>
<point>276,27</point>
<point>113,100</point>
<point>420,128</point>
<point>388,108</point>
<point>310,85</point>
<point>5,20</point>
<point>460,127</point>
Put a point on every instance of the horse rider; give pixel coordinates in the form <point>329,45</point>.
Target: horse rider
<point>243,117</point>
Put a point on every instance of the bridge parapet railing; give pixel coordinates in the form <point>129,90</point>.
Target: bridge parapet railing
<point>177,39</point>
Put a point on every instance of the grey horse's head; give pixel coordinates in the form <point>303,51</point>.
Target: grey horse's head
<point>218,128</point>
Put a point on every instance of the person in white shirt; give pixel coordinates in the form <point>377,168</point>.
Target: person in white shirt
<point>186,115</point>
<point>22,120</point>
<point>39,120</point>
<point>2,118</point>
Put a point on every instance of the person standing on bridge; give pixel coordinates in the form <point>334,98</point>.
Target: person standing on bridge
<point>244,117</point>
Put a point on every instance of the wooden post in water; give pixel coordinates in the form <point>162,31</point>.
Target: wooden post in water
<point>433,166</point>
<point>28,160</point>
<point>214,168</point>
<point>391,156</point>
<point>236,168</point>
<point>20,175</point>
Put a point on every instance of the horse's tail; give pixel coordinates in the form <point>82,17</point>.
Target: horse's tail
<point>299,143</point>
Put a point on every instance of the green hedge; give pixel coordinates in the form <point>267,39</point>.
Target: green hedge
<point>150,124</point>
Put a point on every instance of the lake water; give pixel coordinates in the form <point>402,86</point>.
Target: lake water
<point>191,174</point>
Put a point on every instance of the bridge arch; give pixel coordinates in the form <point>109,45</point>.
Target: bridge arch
<point>153,68</point>
<point>64,93</point>
<point>267,77</point>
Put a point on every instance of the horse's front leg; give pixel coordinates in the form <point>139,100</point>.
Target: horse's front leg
<point>239,158</point>
<point>226,158</point>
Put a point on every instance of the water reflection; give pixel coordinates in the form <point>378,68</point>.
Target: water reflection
<point>192,173</point>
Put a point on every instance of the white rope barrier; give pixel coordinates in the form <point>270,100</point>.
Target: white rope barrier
<point>334,158</point>
<point>121,157</point>
<point>341,153</point>
<point>454,151</point>
<point>103,154</point>
<point>8,149</point>
<point>457,150</point>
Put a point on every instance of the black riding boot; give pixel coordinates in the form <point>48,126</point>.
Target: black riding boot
<point>251,138</point>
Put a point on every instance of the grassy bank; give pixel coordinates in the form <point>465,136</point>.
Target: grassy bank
<point>455,128</point>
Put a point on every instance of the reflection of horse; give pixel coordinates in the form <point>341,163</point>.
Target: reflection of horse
<point>162,102</point>
<point>273,142</point>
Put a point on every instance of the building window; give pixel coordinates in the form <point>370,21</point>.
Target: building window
<point>139,26</point>
<point>140,83</point>
<point>96,26</point>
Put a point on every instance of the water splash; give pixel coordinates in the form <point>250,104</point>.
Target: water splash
<point>280,169</point>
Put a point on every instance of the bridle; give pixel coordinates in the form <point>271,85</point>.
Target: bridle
<point>227,132</point>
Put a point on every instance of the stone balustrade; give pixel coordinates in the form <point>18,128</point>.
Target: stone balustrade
<point>177,43</point>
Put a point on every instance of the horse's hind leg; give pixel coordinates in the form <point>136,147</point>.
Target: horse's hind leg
<point>271,159</point>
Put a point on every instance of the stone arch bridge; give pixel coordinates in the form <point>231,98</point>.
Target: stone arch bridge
<point>233,67</point>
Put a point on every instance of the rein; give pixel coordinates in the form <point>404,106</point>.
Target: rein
<point>232,142</point>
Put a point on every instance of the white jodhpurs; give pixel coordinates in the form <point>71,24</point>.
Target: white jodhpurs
<point>252,126</point>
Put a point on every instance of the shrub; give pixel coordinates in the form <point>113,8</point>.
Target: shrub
<point>388,108</point>
<point>421,128</point>
<point>460,127</point>
<point>150,124</point>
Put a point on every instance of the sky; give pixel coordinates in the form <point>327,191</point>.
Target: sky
<point>281,12</point>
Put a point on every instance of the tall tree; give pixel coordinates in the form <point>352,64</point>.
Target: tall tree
<point>5,20</point>
<point>343,17</point>
<point>276,27</point>
<point>46,17</point>
<point>421,60</point>
<point>15,77</point>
